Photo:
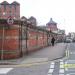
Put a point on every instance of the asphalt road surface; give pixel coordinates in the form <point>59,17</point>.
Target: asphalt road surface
<point>54,67</point>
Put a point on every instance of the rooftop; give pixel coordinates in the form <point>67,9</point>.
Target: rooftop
<point>51,21</point>
<point>4,2</point>
<point>15,3</point>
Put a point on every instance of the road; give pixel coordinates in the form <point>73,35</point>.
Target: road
<point>65,66</point>
<point>46,61</point>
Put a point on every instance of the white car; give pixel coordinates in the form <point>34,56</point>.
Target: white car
<point>68,40</point>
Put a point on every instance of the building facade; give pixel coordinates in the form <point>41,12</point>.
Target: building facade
<point>33,20</point>
<point>7,10</point>
<point>51,25</point>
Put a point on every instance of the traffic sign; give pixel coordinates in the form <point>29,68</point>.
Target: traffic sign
<point>10,20</point>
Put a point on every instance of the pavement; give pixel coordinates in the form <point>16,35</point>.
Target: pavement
<point>43,55</point>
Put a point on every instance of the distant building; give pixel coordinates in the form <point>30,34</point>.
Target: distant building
<point>61,37</point>
<point>71,35</point>
<point>42,27</point>
<point>61,31</point>
<point>33,20</point>
<point>7,10</point>
<point>24,18</point>
<point>51,25</point>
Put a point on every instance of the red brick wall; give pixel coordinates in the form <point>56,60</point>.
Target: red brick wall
<point>36,39</point>
<point>11,43</point>
<point>32,41</point>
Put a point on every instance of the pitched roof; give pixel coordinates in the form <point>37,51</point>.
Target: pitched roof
<point>51,21</point>
<point>24,18</point>
<point>4,2</point>
<point>32,18</point>
<point>15,3</point>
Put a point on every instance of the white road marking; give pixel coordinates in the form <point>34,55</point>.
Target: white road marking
<point>61,60</point>
<point>61,63</point>
<point>5,70</point>
<point>71,74</point>
<point>61,66</point>
<point>61,74</point>
<point>66,69</point>
<point>66,53</point>
<point>61,71</point>
<point>50,71</point>
<point>71,52</point>
<point>51,66</point>
<point>71,61</point>
<point>66,62</point>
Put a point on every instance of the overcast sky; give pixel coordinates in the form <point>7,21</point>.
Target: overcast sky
<point>62,12</point>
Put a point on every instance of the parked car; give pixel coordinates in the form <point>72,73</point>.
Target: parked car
<point>73,40</point>
<point>68,40</point>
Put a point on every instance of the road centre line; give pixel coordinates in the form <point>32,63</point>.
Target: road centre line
<point>67,53</point>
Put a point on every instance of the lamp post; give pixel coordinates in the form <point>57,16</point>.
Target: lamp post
<point>50,36</point>
<point>2,52</point>
<point>27,23</point>
<point>24,23</point>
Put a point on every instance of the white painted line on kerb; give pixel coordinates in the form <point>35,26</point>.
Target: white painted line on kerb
<point>5,70</point>
<point>61,71</point>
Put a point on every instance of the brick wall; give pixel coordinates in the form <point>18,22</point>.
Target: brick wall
<point>10,44</point>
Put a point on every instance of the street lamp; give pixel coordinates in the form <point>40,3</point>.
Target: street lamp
<point>24,23</point>
<point>3,33</point>
<point>2,51</point>
<point>49,36</point>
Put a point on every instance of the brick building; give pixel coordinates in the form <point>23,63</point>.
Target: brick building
<point>7,10</point>
<point>51,25</point>
<point>33,20</point>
